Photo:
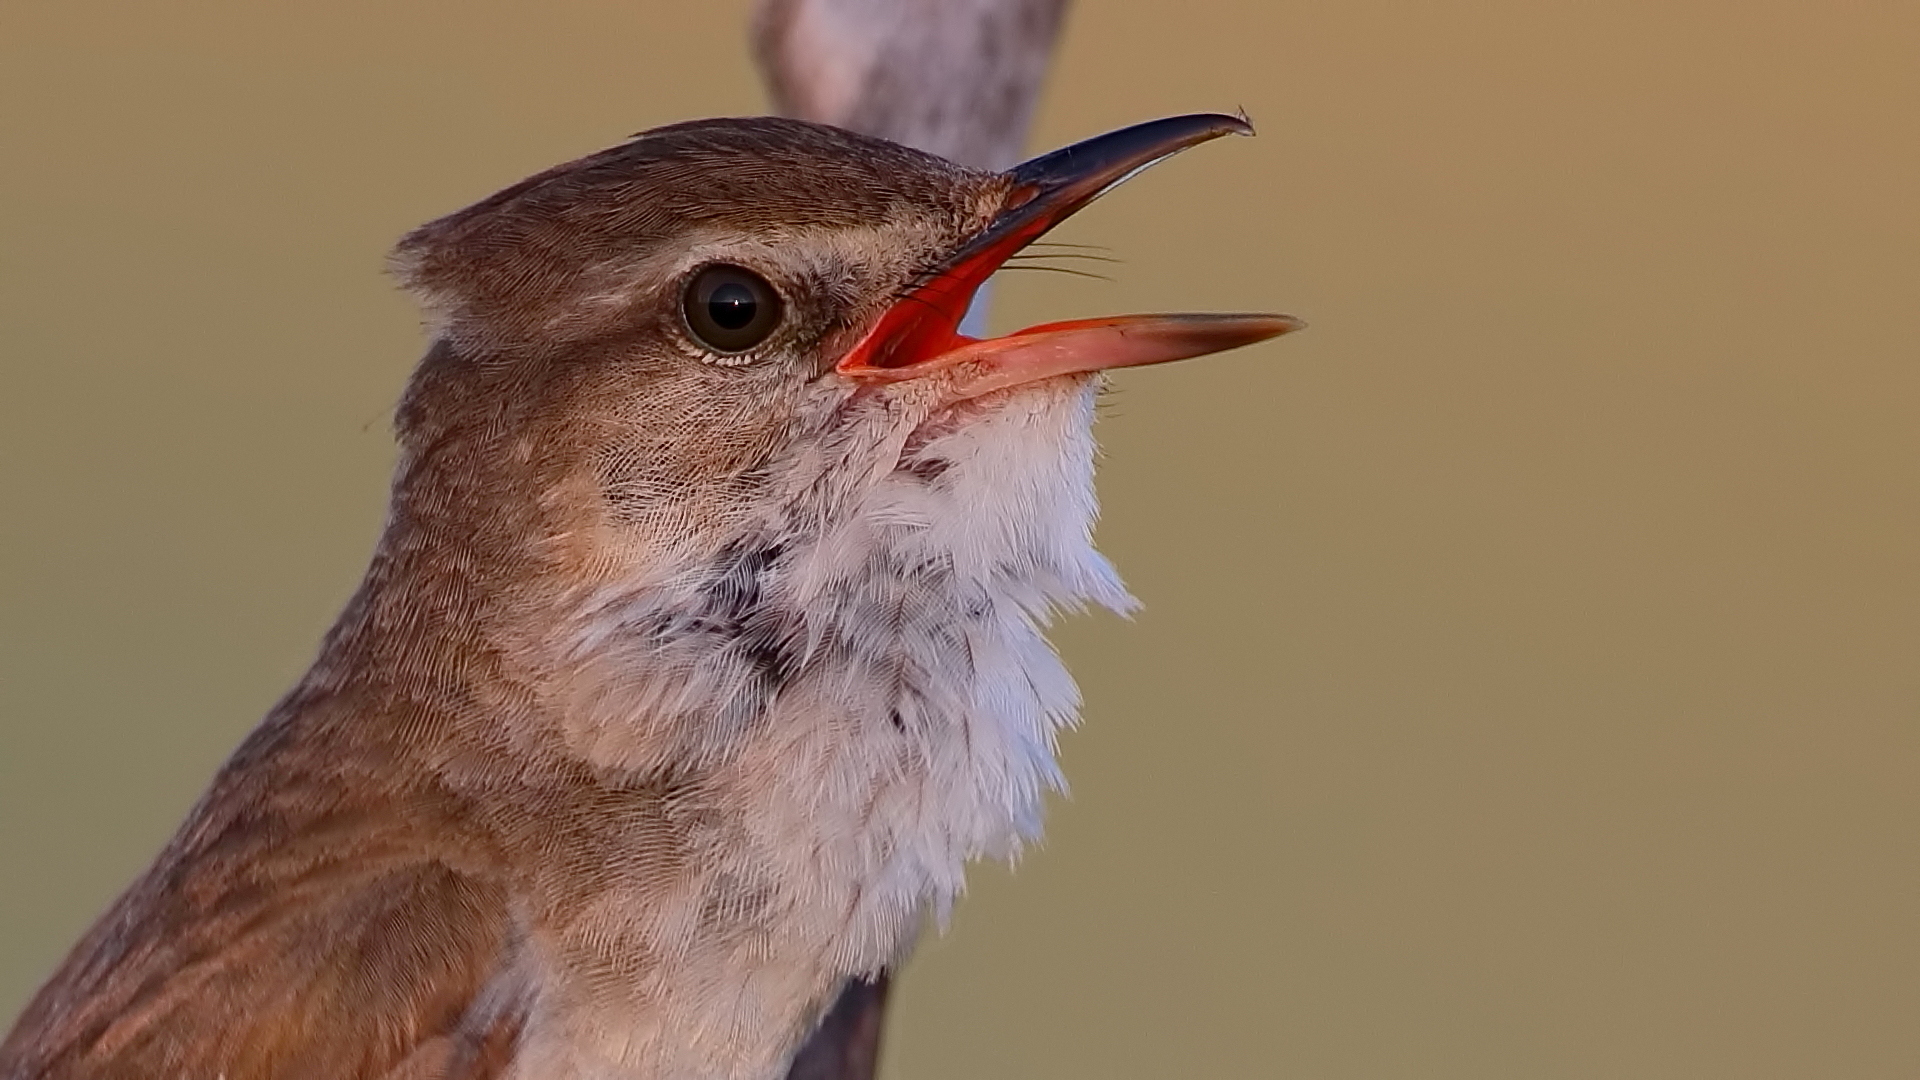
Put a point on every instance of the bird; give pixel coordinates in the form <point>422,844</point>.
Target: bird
<point>702,650</point>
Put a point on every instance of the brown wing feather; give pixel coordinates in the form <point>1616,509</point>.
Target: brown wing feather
<point>406,971</point>
<point>285,935</point>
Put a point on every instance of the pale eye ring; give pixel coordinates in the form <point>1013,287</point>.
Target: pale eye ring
<point>730,309</point>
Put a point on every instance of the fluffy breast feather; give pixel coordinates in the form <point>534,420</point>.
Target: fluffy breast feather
<point>877,676</point>
<point>864,697</point>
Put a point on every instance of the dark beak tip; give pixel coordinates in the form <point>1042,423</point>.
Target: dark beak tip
<point>1253,329</point>
<point>1215,125</point>
<point>1076,173</point>
<point>1201,333</point>
<point>1252,325</point>
<point>1191,129</point>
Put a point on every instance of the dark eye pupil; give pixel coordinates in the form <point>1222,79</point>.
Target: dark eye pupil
<point>729,309</point>
<point>732,306</point>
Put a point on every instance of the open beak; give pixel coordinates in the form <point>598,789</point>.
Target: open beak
<point>919,335</point>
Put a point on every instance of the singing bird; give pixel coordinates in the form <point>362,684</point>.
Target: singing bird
<point>702,650</point>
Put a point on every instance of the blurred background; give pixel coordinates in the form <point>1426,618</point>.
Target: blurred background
<point>1529,682</point>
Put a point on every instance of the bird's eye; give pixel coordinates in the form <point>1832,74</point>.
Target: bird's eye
<point>730,309</point>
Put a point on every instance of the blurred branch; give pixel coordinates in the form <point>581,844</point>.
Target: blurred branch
<point>958,78</point>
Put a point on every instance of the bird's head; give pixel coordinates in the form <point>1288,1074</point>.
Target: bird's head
<point>744,324</point>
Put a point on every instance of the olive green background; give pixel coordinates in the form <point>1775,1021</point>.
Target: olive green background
<point>1529,682</point>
